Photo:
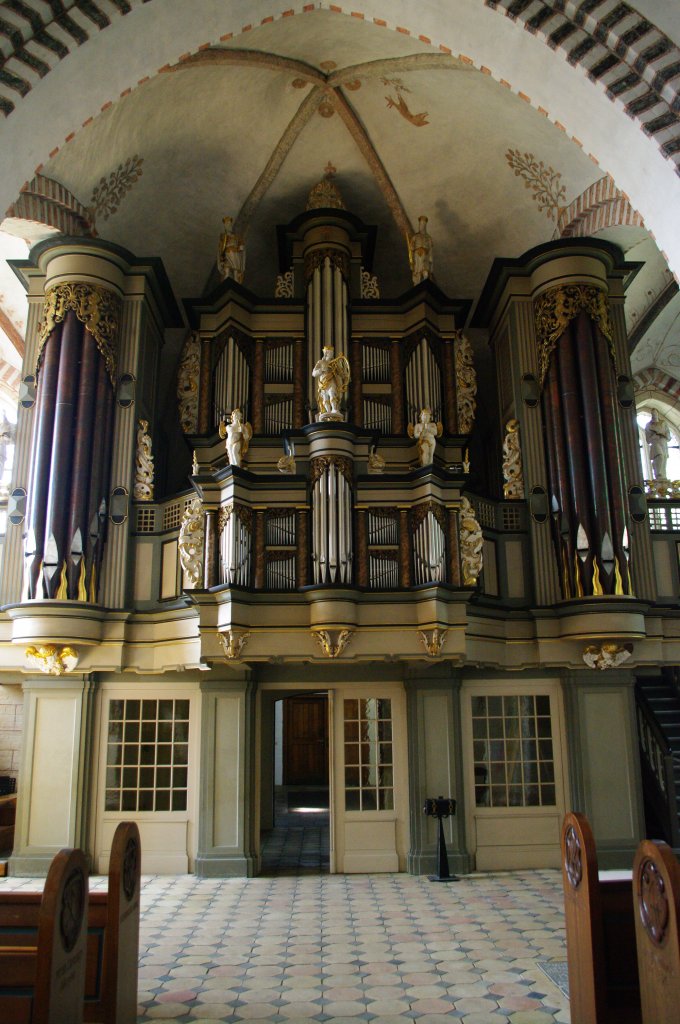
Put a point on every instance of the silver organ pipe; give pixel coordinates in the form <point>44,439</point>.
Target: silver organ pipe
<point>423,383</point>
<point>327,302</point>
<point>331,527</point>
<point>280,530</point>
<point>383,571</point>
<point>278,415</point>
<point>377,415</point>
<point>375,364</point>
<point>235,550</point>
<point>231,381</point>
<point>279,363</point>
<point>280,573</point>
<point>382,530</point>
<point>327,312</point>
<point>429,554</point>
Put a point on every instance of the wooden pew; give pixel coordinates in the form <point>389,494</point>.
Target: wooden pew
<point>603,976</point>
<point>112,933</point>
<point>44,983</point>
<point>656,887</point>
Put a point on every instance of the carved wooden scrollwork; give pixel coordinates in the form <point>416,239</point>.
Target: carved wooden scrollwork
<point>653,901</point>
<point>97,308</point>
<point>319,465</point>
<point>556,308</point>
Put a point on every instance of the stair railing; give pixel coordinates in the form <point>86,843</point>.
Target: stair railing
<point>659,759</point>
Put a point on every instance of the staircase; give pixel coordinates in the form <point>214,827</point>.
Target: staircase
<point>658,718</point>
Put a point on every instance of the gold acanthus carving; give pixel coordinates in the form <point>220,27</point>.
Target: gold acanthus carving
<point>466,383</point>
<point>513,474</point>
<point>97,308</point>
<point>471,544</point>
<point>319,466</point>
<point>420,512</point>
<point>233,643</point>
<point>317,258</point>
<point>224,515</point>
<point>188,377</point>
<point>51,659</point>
<point>332,647</point>
<point>557,307</point>
<point>191,544</point>
<point>433,640</point>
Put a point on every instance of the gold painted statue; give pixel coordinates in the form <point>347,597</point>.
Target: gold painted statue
<point>237,434</point>
<point>231,256</point>
<point>420,248</point>
<point>332,380</point>
<point>425,433</point>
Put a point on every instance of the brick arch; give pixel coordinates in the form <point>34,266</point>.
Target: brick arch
<point>602,205</point>
<point>633,60</point>
<point>652,379</point>
<point>47,201</point>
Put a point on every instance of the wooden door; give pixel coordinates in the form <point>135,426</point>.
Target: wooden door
<point>305,740</point>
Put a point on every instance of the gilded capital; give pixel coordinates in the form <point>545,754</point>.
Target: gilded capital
<point>97,308</point>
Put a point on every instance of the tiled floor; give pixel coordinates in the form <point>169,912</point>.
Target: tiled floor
<point>300,945</point>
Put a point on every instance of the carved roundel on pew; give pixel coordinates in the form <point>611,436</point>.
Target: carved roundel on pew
<point>72,909</point>
<point>572,857</point>
<point>653,901</point>
<point>130,869</point>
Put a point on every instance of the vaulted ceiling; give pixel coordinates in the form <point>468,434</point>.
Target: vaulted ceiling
<point>215,109</point>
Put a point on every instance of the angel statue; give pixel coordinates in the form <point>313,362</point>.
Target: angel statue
<point>332,380</point>
<point>425,432</point>
<point>231,255</point>
<point>238,434</point>
<point>420,248</point>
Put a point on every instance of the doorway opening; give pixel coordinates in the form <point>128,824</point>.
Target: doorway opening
<point>295,834</point>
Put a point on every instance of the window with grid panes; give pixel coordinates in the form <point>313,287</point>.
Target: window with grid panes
<point>513,751</point>
<point>369,772</point>
<point>147,755</point>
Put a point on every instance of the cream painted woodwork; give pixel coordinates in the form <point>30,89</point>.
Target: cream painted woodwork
<point>50,805</point>
<point>169,838</point>
<point>507,838</point>
<point>369,840</point>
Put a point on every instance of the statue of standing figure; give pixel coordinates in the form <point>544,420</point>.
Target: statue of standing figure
<point>425,432</point>
<point>657,435</point>
<point>420,248</point>
<point>237,434</point>
<point>231,256</point>
<point>332,380</point>
<point>7,435</point>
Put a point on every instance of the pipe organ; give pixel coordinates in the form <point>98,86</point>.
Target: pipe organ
<point>231,387</point>
<point>235,530</point>
<point>423,383</point>
<point>332,554</point>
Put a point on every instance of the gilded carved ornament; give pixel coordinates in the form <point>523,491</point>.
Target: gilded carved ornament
<point>319,465</point>
<point>471,543</point>
<point>557,307</point>
<point>144,468</point>
<point>97,308</point>
<point>190,544</point>
<point>420,512</point>
<point>318,257</point>
<point>332,647</point>
<point>188,376</point>
<point>466,384</point>
<point>51,659</point>
<point>513,473</point>
<point>233,643</point>
<point>607,655</point>
<point>433,640</point>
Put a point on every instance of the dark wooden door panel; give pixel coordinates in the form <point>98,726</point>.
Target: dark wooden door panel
<point>305,741</point>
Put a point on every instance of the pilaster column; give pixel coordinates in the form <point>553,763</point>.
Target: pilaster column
<point>604,762</point>
<point>54,794</point>
<point>211,549</point>
<point>404,549</point>
<point>225,827</point>
<point>398,424</point>
<point>257,405</point>
<point>436,769</point>
<point>450,410</point>
<point>454,546</point>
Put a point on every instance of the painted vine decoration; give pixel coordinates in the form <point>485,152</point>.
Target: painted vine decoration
<point>557,307</point>
<point>97,308</point>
